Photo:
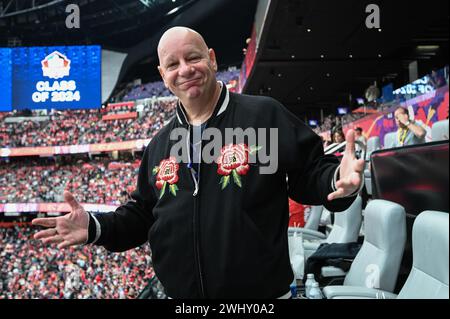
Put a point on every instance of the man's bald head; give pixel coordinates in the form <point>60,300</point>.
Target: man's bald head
<point>187,67</point>
<point>177,33</point>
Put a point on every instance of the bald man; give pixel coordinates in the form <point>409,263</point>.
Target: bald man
<point>217,228</point>
<point>188,70</point>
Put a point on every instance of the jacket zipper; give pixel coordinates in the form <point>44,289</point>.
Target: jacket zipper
<point>195,216</point>
<point>191,169</point>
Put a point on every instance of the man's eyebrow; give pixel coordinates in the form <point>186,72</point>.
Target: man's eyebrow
<point>168,60</point>
<point>195,51</point>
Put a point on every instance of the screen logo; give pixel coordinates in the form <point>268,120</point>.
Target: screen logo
<point>55,65</point>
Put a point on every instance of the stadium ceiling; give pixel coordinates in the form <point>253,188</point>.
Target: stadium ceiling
<point>16,7</point>
<point>319,54</point>
<point>129,26</point>
<point>116,24</point>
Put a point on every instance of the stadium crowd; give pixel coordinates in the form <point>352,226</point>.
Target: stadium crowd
<point>84,127</point>
<point>30,270</point>
<point>97,181</point>
<point>331,121</point>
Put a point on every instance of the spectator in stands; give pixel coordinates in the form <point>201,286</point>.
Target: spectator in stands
<point>409,132</point>
<point>338,136</point>
<point>296,214</point>
<point>436,79</point>
<point>325,142</point>
<point>33,181</point>
<point>360,138</point>
<point>85,127</point>
<point>359,135</point>
<point>30,270</point>
<point>206,235</point>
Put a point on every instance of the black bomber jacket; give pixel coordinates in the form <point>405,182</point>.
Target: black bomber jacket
<point>221,232</point>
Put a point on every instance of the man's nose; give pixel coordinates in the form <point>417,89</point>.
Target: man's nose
<point>186,69</point>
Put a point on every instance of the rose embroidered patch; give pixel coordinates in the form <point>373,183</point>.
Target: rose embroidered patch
<point>167,173</point>
<point>233,160</point>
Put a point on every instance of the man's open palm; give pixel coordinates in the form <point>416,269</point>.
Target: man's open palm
<point>67,230</point>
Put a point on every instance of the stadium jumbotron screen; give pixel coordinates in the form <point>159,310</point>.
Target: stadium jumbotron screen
<point>5,80</point>
<point>59,77</point>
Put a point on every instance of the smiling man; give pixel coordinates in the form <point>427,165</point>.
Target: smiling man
<point>188,69</point>
<point>216,229</point>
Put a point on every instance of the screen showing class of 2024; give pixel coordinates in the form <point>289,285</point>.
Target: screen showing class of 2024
<point>59,77</point>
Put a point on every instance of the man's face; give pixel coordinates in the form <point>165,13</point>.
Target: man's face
<point>400,117</point>
<point>186,65</point>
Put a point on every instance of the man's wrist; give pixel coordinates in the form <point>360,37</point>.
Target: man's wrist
<point>94,229</point>
<point>358,190</point>
<point>336,178</point>
<point>89,220</point>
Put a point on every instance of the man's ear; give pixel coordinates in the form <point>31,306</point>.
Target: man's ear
<point>161,72</point>
<point>212,58</point>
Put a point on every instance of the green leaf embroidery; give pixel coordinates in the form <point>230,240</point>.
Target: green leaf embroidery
<point>155,170</point>
<point>163,190</point>
<point>254,149</point>
<point>173,189</point>
<point>225,180</point>
<point>237,178</point>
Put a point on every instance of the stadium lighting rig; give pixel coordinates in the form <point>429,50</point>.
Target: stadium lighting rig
<point>148,3</point>
<point>173,6</point>
<point>153,3</point>
<point>16,7</point>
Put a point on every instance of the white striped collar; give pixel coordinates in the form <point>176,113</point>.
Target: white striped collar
<point>221,106</point>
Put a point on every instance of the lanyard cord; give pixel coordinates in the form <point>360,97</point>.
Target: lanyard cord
<point>402,136</point>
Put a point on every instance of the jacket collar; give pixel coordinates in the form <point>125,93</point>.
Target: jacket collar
<point>221,106</point>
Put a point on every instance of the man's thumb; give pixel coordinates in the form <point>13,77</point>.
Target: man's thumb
<point>350,139</point>
<point>68,197</point>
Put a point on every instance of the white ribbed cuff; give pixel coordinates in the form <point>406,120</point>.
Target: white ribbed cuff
<point>335,179</point>
<point>98,229</point>
<point>89,219</point>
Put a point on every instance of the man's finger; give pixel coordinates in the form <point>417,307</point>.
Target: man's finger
<point>352,182</point>
<point>46,222</point>
<point>44,233</point>
<point>53,239</point>
<point>359,166</point>
<point>64,244</point>
<point>346,185</point>
<point>68,197</point>
<point>350,139</point>
<point>337,194</point>
<point>342,184</point>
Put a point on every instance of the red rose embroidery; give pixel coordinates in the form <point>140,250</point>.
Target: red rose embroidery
<point>167,173</point>
<point>233,160</point>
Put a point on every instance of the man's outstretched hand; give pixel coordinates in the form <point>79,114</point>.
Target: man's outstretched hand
<point>70,229</point>
<point>350,172</point>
